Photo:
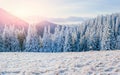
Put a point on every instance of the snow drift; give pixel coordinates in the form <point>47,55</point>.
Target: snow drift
<point>83,63</point>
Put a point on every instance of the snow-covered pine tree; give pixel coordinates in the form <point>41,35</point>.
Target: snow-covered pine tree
<point>56,37</point>
<point>32,43</point>
<point>1,43</point>
<point>112,23</point>
<point>118,42</point>
<point>15,45</point>
<point>117,33</point>
<point>41,44</point>
<point>10,41</point>
<point>68,41</point>
<point>78,40</point>
<point>21,38</point>
<point>94,30</point>
<point>60,40</point>
<point>6,39</point>
<point>75,39</point>
<point>47,41</point>
<point>105,43</point>
<point>62,43</point>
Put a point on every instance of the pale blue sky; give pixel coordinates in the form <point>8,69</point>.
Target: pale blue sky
<point>60,8</point>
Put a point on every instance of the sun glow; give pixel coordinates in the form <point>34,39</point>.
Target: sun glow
<point>21,13</point>
<point>32,15</point>
<point>26,12</point>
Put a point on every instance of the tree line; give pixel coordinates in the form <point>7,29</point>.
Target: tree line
<point>100,33</point>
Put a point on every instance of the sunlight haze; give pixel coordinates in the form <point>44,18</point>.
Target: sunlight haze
<point>60,8</point>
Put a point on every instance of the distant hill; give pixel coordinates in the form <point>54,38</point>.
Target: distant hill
<point>7,18</point>
<point>40,27</point>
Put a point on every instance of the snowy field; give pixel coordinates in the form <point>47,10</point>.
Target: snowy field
<point>81,63</point>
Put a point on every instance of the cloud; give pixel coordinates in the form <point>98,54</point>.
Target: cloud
<point>69,20</point>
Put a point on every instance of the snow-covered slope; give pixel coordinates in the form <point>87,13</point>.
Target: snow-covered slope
<point>83,63</point>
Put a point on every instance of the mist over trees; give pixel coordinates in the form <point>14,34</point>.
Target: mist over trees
<point>100,33</point>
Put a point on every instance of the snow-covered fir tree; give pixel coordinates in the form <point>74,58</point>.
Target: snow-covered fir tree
<point>58,40</point>
<point>21,38</point>
<point>32,43</point>
<point>68,41</point>
<point>10,41</point>
<point>47,41</point>
<point>1,43</point>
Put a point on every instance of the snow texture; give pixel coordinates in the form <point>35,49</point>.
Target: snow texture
<point>69,63</point>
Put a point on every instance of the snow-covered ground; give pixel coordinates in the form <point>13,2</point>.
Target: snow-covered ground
<point>79,63</point>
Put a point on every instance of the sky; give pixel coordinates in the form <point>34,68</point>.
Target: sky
<point>60,8</point>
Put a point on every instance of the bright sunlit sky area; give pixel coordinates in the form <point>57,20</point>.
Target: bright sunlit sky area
<point>60,8</point>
